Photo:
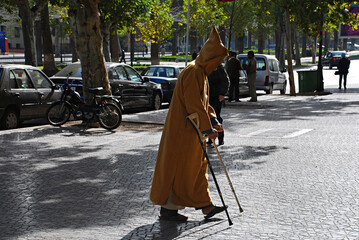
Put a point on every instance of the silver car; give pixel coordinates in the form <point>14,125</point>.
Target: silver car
<point>269,76</point>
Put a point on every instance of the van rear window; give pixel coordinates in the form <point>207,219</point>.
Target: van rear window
<point>261,64</point>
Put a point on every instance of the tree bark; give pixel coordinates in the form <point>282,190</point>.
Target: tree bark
<point>49,60</point>
<point>38,41</point>
<point>241,43</point>
<point>105,33</point>
<point>193,40</point>
<point>289,54</point>
<point>261,40</point>
<point>28,32</point>
<point>314,49</point>
<point>88,42</point>
<point>155,60</point>
<point>297,49</point>
<point>326,42</point>
<point>335,40</point>
<point>114,44</point>
<point>304,45</point>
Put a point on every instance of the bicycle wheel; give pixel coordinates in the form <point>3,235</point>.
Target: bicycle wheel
<point>110,116</point>
<point>58,114</point>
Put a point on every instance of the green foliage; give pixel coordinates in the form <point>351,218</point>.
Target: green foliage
<point>204,14</point>
<point>156,26</point>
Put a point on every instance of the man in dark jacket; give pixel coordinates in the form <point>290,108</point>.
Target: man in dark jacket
<point>343,67</point>
<point>233,67</point>
<point>218,87</point>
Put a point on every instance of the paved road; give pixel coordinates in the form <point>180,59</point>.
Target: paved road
<point>292,161</point>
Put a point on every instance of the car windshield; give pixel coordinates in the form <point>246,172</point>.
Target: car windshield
<point>74,68</point>
<point>338,54</point>
<point>160,72</point>
<point>261,64</point>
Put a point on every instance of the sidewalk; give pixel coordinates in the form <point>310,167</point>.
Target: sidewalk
<point>293,162</point>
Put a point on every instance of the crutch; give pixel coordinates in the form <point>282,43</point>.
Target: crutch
<point>192,119</point>
<point>229,180</point>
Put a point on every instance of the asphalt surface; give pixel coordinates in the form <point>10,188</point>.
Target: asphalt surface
<point>293,162</point>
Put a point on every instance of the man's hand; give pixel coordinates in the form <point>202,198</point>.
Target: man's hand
<point>213,135</point>
<point>218,127</point>
<point>221,98</point>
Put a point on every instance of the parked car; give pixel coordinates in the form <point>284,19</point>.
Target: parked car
<point>25,93</point>
<point>130,87</point>
<point>331,59</point>
<point>243,83</point>
<point>269,76</point>
<point>164,75</point>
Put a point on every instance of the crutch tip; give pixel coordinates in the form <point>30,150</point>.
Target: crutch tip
<point>230,223</point>
<point>240,210</point>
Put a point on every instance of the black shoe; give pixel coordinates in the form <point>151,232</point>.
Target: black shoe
<point>252,100</point>
<point>237,100</point>
<point>215,211</point>
<point>171,215</point>
<point>220,143</point>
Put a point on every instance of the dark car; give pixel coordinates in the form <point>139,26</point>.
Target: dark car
<point>25,93</point>
<point>166,75</point>
<point>133,90</point>
<point>331,59</point>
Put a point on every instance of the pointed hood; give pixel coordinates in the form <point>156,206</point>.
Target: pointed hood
<point>212,53</point>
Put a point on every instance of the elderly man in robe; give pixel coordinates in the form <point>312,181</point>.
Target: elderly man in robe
<point>180,179</point>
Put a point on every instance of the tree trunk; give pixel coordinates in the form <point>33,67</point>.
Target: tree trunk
<point>174,40</point>
<point>297,50</point>
<point>304,45</point>
<point>326,42</point>
<point>105,33</point>
<point>88,43</point>
<point>261,40</point>
<point>38,41</point>
<point>314,50</point>
<point>49,60</point>
<point>249,44</point>
<point>278,40</point>
<point>193,40</point>
<point>241,44</point>
<point>335,40</point>
<point>27,22</point>
<point>222,34</point>
<point>289,54</point>
<point>114,45</point>
<point>155,60</point>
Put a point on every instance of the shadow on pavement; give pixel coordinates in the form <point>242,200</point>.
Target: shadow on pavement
<point>166,230</point>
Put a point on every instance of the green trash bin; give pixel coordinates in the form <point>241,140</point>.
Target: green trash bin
<point>308,81</point>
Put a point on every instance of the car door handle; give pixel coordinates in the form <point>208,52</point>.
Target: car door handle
<point>16,94</point>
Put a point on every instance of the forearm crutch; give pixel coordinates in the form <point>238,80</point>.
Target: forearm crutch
<point>191,118</point>
<point>229,180</point>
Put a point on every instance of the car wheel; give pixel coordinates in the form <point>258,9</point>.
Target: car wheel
<point>10,119</point>
<point>330,65</point>
<point>156,101</point>
<point>270,91</point>
<point>284,89</point>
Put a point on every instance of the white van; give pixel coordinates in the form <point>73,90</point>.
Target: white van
<point>269,76</point>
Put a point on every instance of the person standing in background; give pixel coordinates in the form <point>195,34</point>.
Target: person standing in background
<point>252,74</point>
<point>233,67</point>
<point>343,67</point>
<point>218,87</point>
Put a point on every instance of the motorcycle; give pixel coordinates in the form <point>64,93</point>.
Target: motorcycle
<point>103,109</point>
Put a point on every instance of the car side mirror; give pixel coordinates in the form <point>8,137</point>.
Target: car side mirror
<point>146,79</point>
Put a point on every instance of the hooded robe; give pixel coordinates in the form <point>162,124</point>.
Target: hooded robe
<point>181,165</point>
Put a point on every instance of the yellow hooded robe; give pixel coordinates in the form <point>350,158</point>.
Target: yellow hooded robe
<point>181,164</point>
